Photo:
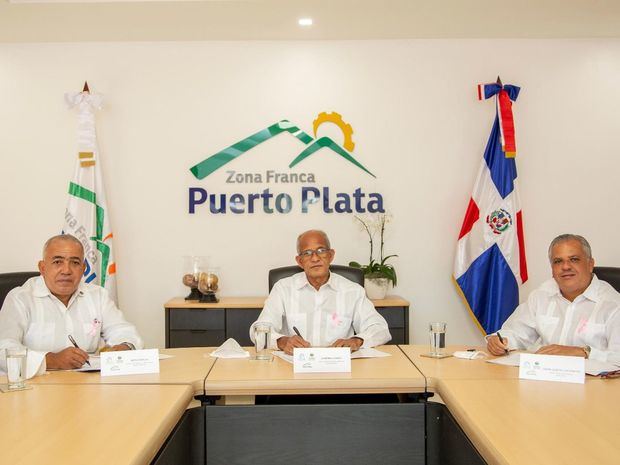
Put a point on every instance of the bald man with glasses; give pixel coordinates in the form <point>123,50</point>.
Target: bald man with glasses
<point>325,308</point>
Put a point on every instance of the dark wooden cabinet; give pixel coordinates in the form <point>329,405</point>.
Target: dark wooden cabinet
<point>194,324</point>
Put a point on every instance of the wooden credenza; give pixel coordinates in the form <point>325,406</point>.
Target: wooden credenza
<point>194,324</point>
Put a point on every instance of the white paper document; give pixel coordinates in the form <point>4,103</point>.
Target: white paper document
<point>95,364</point>
<point>369,352</point>
<point>598,368</point>
<point>130,362</point>
<point>511,359</point>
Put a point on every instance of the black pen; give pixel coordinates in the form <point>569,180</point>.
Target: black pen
<point>297,332</point>
<point>501,340</point>
<point>76,346</point>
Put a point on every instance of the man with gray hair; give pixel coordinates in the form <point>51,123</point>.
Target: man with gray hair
<point>574,313</point>
<point>318,308</point>
<point>51,311</point>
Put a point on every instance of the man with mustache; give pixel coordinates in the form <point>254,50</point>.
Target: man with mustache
<point>572,314</point>
<point>326,308</point>
<point>47,309</point>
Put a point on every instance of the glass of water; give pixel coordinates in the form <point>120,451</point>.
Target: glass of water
<point>437,333</point>
<point>16,367</point>
<point>262,336</point>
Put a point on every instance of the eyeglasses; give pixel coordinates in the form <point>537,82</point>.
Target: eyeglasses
<point>321,252</point>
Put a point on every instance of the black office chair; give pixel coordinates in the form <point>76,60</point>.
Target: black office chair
<point>10,281</point>
<point>352,274</point>
<point>609,274</point>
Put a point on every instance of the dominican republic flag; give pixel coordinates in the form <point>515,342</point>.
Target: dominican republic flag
<point>87,216</point>
<point>490,256</point>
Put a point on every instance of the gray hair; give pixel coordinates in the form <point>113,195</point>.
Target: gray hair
<point>62,237</point>
<point>571,237</point>
<point>313,231</point>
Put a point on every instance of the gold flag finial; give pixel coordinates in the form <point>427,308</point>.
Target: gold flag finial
<point>86,89</point>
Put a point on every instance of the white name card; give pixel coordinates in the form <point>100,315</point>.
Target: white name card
<point>322,360</point>
<point>552,368</point>
<point>130,362</point>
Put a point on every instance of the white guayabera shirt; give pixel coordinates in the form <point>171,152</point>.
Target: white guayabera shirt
<point>593,319</point>
<point>33,317</point>
<point>338,310</point>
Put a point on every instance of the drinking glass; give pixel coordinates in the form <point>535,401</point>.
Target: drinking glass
<point>16,367</point>
<point>262,336</point>
<point>437,333</point>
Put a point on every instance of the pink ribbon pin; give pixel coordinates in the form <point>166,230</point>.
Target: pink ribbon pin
<point>94,329</point>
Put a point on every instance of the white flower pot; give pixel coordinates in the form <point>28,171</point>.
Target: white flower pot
<point>376,288</point>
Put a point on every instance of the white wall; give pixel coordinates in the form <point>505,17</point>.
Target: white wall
<point>417,125</point>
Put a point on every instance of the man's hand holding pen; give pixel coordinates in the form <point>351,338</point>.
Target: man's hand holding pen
<point>288,343</point>
<point>66,359</point>
<point>497,345</point>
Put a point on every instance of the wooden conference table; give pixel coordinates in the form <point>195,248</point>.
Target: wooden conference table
<point>68,417</point>
<point>523,422</point>
<point>188,366</point>
<point>73,418</point>
<point>238,379</point>
<point>317,418</point>
<point>512,421</point>
<point>89,424</point>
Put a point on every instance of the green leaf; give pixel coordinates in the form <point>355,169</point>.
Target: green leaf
<point>389,256</point>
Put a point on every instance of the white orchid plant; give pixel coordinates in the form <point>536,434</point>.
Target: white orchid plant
<point>373,224</point>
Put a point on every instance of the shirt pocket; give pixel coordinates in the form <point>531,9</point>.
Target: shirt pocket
<point>546,327</point>
<point>594,335</point>
<point>40,336</point>
<point>91,337</point>
<point>338,327</point>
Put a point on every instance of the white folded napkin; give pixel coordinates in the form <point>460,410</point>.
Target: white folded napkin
<point>469,354</point>
<point>230,349</point>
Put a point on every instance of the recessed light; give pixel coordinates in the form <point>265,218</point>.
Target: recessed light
<point>305,21</point>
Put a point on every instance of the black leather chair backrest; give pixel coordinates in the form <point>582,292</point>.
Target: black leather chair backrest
<point>610,274</point>
<point>352,274</point>
<point>10,281</point>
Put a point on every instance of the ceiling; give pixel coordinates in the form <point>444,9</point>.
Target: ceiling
<point>119,20</point>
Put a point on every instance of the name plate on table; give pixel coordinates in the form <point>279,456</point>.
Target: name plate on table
<point>322,360</point>
<point>552,368</point>
<point>130,362</point>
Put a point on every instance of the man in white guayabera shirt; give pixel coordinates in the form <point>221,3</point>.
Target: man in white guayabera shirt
<point>574,313</point>
<point>326,308</point>
<point>47,309</point>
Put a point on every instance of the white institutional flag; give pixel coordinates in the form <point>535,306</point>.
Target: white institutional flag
<point>87,215</point>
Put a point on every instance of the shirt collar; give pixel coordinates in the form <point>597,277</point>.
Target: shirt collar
<point>301,280</point>
<point>591,292</point>
<point>41,289</point>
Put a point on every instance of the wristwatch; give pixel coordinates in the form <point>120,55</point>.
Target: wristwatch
<point>132,347</point>
<point>587,349</point>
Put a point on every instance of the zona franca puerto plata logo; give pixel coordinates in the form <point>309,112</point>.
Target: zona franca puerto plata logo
<point>311,194</point>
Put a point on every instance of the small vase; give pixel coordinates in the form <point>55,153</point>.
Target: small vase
<point>376,288</point>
